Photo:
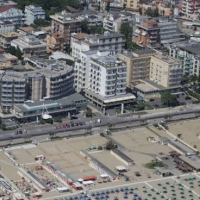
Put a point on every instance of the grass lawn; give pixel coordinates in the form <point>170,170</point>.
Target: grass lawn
<point>152,165</point>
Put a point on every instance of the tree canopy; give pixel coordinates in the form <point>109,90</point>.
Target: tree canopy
<point>91,29</point>
<point>127,30</point>
<point>152,12</point>
<point>50,6</point>
<point>168,99</point>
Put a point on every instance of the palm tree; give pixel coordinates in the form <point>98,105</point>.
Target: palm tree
<point>89,130</point>
<point>109,125</point>
<point>51,134</point>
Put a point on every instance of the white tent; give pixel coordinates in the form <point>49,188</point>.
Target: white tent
<point>104,175</point>
<point>88,182</point>
<point>121,168</point>
<point>63,189</point>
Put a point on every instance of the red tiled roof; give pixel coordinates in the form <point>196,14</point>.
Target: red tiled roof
<point>4,8</point>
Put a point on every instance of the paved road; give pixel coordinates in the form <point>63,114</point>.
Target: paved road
<point>38,130</point>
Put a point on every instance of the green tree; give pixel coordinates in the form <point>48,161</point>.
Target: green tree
<point>18,53</point>
<point>41,22</point>
<point>84,26</point>
<point>108,6</point>
<point>140,10</point>
<point>109,129</point>
<point>168,99</point>
<point>99,6</point>
<point>124,6</point>
<point>51,134</point>
<point>127,31</point>
<point>193,78</point>
<point>11,50</point>
<point>152,12</point>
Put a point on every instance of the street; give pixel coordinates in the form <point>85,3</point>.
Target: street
<point>38,131</point>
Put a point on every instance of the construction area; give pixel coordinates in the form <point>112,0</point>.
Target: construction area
<point>142,165</point>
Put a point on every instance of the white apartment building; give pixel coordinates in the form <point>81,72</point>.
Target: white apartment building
<point>33,12</point>
<point>30,45</point>
<point>189,54</point>
<point>6,27</point>
<point>170,31</point>
<point>14,15</point>
<point>114,42</point>
<point>93,20</point>
<point>165,71</point>
<point>113,22</point>
<point>81,71</point>
<point>107,75</point>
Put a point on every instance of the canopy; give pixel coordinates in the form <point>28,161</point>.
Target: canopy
<point>120,168</point>
<point>88,182</point>
<point>104,175</point>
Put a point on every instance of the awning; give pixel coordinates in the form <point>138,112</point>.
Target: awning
<point>88,182</point>
<point>104,175</point>
<point>60,189</point>
<point>120,168</point>
<point>119,99</point>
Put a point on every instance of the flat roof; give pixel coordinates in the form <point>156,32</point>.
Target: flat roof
<point>145,88</point>
<point>116,98</point>
<point>181,147</point>
<point>101,165</point>
<point>191,161</point>
<point>166,59</point>
<point>122,155</point>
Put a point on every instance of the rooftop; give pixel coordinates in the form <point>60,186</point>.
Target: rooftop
<point>26,29</point>
<point>11,34</point>
<point>80,36</point>
<point>167,59</point>
<point>5,8</point>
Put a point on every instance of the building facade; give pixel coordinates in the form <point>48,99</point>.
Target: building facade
<point>53,80</point>
<point>191,7</point>
<point>165,71</point>
<point>65,24</point>
<point>114,42</point>
<point>107,75</point>
<point>189,54</point>
<point>30,45</point>
<point>33,12</point>
<point>6,27</point>
<point>130,4</point>
<point>153,33</point>
<point>13,91</point>
<point>138,65</point>
<point>6,39</point>
<point>14,15</point>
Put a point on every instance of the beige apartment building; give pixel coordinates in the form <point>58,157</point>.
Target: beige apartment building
<point>65,24</point>
<point>165,71</point>
<point>130,4</point>
<point>138,64</point>
<point>146,64</point>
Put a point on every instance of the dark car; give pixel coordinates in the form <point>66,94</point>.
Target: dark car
<point>74,117</point>
<point>20,132</point>
<point>76,124</point>
<point>151,100</point>
<point>67,125</point>
<point>72,125</point>
<point>80,123</point>
<point>187,98</point>
<point>84,123</point>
